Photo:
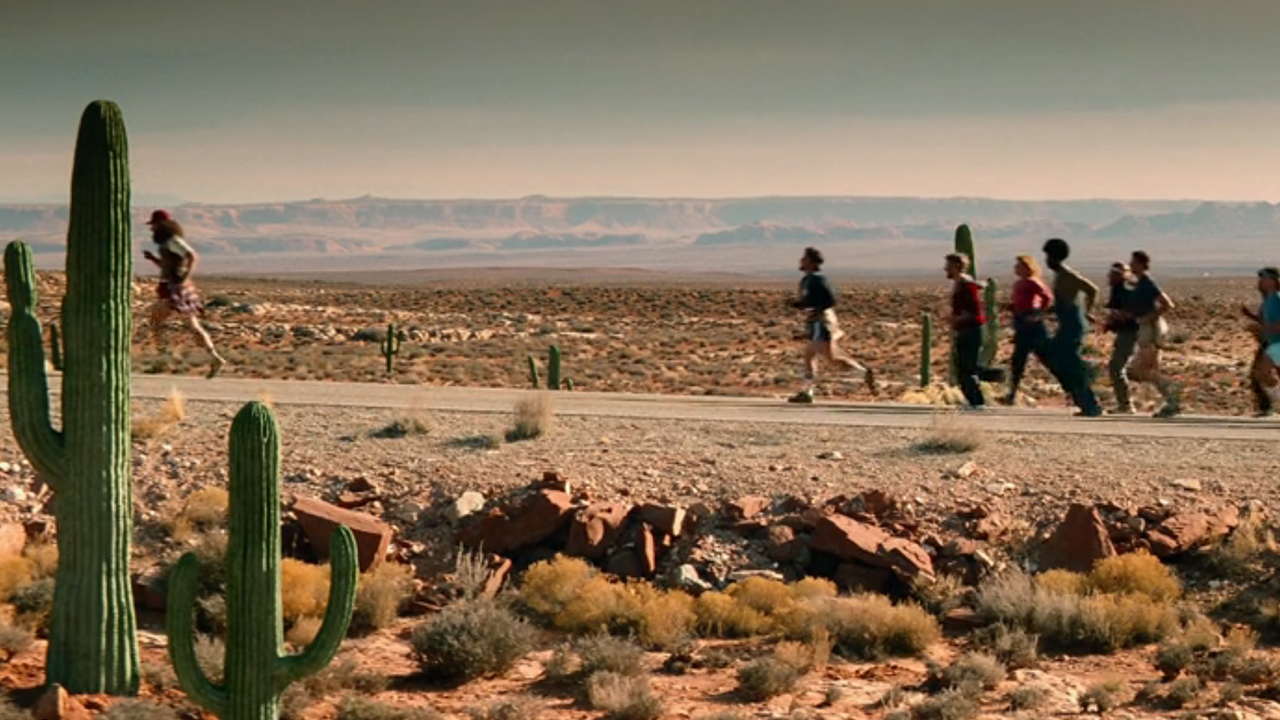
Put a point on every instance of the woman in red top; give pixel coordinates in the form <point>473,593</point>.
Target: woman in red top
<point>1030,299</point>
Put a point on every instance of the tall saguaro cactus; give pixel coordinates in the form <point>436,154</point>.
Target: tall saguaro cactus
<point>256,671</point>
<point>93,646</point>
<point>990,331</point>
<point>964,246</point>
<point>926,350</point>
<point>553,368</point>
<point>391,346</point>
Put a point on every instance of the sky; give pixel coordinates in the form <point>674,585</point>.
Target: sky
<point>239,102</point>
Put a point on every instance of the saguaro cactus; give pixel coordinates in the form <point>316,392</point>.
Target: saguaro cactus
<point>990,331</point>
<point>533,372</point>
<point>553,368</point>
<point>93,645</point>
<point>964,246</point>
<point>256,671</point>
<point>926,350</point>
<point>390,347</point>
<point>55,347</point>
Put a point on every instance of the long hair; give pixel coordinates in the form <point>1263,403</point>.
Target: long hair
<point>163,230</point>
<point>1032,266</point>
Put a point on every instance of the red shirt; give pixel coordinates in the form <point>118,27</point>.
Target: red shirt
<point>966,299</point>
<point>1030,294</point>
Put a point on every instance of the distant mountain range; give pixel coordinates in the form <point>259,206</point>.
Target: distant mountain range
<point>383,226</point>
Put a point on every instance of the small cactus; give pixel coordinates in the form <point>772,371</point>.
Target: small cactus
<point>391,346</point>
<point>926,350</point>
<point>568,384</point>
<point>256,670</point>
<point>990,331</point>
<point>55,347</point>
<point>533,373</point>
<point>553,368</point>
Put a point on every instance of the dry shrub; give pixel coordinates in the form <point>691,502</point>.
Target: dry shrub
<point>159,677</point>
<point>940,594</point>
<point>470,572</point>
<point>1231,692</point>
<point>15,571</point>
<point>973,671</point>
<point>14,639</point>
<point>865,626</point>
<point>719,615</point>
<point>549,586</point>
<point>533,418</point>
<point>665,619</point>
<point>520,708</point>
<point>207,507</point>
<point>139,710</point>
<point>1172,657</point>
<point>948,705</point>
<point>1237,554</point>
<point>1101,697</point>
<point>766,678</point>
<point>1184,691</point>
<point>304,589</point>
<point>1063,581</point>
<point>1137,573</point>
<point>623,697</point>
<point>210,656</point>
<point>383,591</point>
<point>1028,697</point>
<point>33,604</point>
<point>43,558</point>
<point>1014,647</point>
<point>602,653</point>
<point>9,711</point>
<point>170,413</point>
<point>304,631</point>
<point>768,597</point>
<point>812,587</point>
<point>404,426</point>
<point>949,435</point>
<point>354,707</point>
<point>471,639</point>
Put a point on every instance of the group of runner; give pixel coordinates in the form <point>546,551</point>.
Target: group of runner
<point>1136,310</point>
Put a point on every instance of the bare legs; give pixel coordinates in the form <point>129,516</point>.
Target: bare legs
<point>1146,368</point>
<point>161,312</point>
<point>826,350</point>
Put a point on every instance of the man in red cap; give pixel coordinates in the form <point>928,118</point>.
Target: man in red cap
<point>177,294</point>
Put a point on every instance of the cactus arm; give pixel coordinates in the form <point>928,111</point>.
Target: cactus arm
<point>182,652</point>
<point>553,368</point>
<point>28,383</point>
<point>533,372</point>
<point>344,575</point>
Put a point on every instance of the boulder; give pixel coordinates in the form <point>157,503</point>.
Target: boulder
<point>319,519</point>
<point>625,564</point>
<point>646,549</point>
<point>532,521</point>
<point>1079,541</point>
<point>782,545</point>
<point>57,704</point>
<point>859,578</point>
<point>1188,531</point>
<point>595,528</point>
<point>498,569</point>
<point>468,503</point>
<point>665,519</point>
<point>745,508</point>
<point>849,539</point>
<point>13,538</point>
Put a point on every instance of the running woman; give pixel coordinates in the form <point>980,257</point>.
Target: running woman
<point>1064,348</point>
<point>967,320</point>
<point>176,293</point>
<point>822,330</point>
<point>1125,328</point>
<point>1268,330</point>
<point>1148,305</point>
<point>1029,300</point>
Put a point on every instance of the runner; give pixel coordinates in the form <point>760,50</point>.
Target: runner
<point>1029,300</point>
<point>1064,348</point>
<point>967,319</point>
<point>1148,305</point>
<point>1268,331</point>
<point>822,330</point>
<point>1261,397</point>
<point>176,292</point>
<point>1120,322</point>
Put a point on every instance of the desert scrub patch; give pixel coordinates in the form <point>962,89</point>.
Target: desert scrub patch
<point>549,586</point>
<point>139,710</point>
<point>155,425</point>
<point>1136,573</point>
<point>518,708</point>
<point>947,705</point>
<point>33,604</point>
<point>1014,647</point>
<point>623,697</point>
<point>304,589</point>
<point>950,435</point>
<point>1102,697</point>
<point>719,615</point>
<point>533,418</point>
<point>1238,554</point>
<point>471,639</point>
<point>779,672</point>
<point>382,593</point>
<point>1028,697</point>
<point>404,426</point>
<point>864,626</point>
<point>14,639</point>
<point>202,511</point>
<point>973,672</point>
<point>354,707</point>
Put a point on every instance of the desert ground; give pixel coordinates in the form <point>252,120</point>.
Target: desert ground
<point>1177,620</point>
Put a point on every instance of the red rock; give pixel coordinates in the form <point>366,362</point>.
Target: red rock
<point>57,704</point>
<point>990,527</point>
<point>534,520</point>
<point>360,485</point>
<point>749,527</point>
<point>782,544</point>
<point>1187,531</point>
<point>625,564</point>
<point>319,519</point>
<point>13,538</point>
<point>595,528</point>
<point>879,503</point>
<point>665,519</point>
<point>745,508</point>
<point>148,589</point>
<point>551,480</point>
<point>1079,541</point>
<point>499,569</point>
<point>647,550</point>
<point>859,578</point>
<point>351,501</point>
<point>851,540</point>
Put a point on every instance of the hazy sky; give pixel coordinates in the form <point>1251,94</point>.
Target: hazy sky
<point>233,101</point>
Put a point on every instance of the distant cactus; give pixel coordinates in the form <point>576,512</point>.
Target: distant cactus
<point>568,384</point>
<point>964,246</point>
<point>55,347</point>
<point>391,346</point>
<point>926,350</point>
<point>990,331</point>
<point>256,670</point>
<point>553,368</point>
<point>533,373</point>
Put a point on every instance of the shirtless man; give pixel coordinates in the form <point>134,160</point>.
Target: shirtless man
<point>818,300</point>
<point>176,293</point>
<point>1064,348</point>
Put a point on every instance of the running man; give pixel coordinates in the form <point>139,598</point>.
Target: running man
<point>822,330</point>
<point>1267,365</point>
<point>1263,405</point>
<point>967,320</point>
<point>1064,348</point>
<point>1125,328</point>
<point>176,293</point>
<point>1148,305</point>
<point>1029,300</point>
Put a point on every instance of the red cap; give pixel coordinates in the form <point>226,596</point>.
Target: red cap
<point>159,215</point>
